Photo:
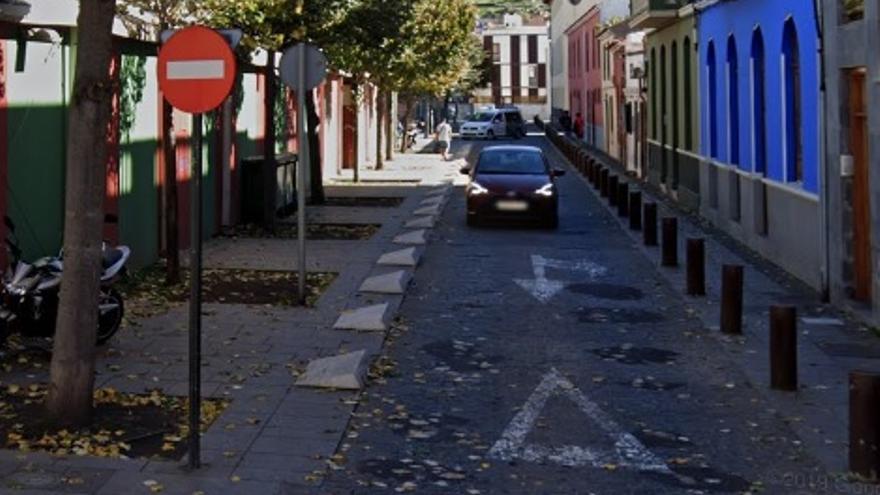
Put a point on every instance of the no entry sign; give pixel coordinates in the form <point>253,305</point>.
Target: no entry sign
<point>196,69</point>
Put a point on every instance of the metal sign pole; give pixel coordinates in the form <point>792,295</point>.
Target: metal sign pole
<point>195,298</point>
<point>302,162</point>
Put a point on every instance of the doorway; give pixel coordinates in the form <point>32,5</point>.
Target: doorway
<point>858,145</point>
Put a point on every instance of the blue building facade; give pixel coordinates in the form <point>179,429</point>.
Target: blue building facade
<point>760,111</point>
<point>760,86</point>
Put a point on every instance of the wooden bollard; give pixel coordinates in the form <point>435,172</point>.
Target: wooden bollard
<point>635,210</point>
<point>864,429</point>
<point>670,242</point>
<point>603,182</point>
<point>696,267</point>
<point>623,199</point>
<point>612,189</point>
<point>783,348</point>
<point>650,232</point>
<point>731,299</point>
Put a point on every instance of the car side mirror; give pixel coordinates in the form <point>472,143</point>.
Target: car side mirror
<point>464,170</point>
<point>558,172</point>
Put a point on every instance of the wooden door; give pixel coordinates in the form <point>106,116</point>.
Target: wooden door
<point>858,117</point>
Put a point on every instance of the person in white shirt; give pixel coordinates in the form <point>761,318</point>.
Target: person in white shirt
<point>444,138</point>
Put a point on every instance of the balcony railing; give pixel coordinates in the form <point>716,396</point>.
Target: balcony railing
<point>655,13</point>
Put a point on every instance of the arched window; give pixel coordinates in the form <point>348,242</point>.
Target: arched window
<point>653,92</point>
<point>688,95</point>
<point>711,80</point>
<point>794,159</point>
<point>732,101</point>
<point>675,122</point>
<point>759,104</point>
<point>663,78</point>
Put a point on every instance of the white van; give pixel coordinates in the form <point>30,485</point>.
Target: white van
<point>494,123</point>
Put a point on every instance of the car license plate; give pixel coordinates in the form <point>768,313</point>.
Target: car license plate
<point>512,206</point>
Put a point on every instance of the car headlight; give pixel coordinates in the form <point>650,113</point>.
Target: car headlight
<point>475,189</point>
<point>546,190</point>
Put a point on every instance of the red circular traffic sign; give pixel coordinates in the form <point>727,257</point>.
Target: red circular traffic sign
<point>196,69</point>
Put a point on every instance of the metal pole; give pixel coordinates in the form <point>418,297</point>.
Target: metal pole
<point>731,299</point>
<point>696,267</point>
<point>603,182</point>
<point>783,348</point>
<point>301,163</point>
<point>864,429</point>
<point>195,298</point>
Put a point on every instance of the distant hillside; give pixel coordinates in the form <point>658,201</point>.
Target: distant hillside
<point>498,7</point>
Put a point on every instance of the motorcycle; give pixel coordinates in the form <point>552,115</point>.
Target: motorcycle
<point>30,291</point>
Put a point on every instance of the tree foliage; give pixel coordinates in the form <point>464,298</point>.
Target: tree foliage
<point>489,8</point>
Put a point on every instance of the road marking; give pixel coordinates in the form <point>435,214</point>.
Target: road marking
<point>543,288</point>
<point>628,451</point>
<point>195,69</point>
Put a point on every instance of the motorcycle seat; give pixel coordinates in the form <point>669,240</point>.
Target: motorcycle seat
<point>110,257</point>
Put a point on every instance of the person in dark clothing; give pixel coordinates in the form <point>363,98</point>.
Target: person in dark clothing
<point>565,122</point>
<point>579,126</point>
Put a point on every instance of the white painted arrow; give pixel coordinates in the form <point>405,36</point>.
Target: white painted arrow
<point>543,288</point>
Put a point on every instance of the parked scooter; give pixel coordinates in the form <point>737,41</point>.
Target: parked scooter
<point>29,293</point>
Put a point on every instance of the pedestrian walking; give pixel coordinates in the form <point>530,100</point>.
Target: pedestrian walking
<point>579,125</point>
<point>565,122</point>
<point>444,138</point>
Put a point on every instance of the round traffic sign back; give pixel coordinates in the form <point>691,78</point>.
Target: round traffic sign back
<point>315,65</point>
<point>196,69</point>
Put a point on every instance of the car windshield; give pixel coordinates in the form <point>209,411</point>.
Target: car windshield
<point>514,162</point>
<point>482,117</point>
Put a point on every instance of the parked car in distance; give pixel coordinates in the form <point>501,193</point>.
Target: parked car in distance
<point>512,183</point>
<point>494,123</point>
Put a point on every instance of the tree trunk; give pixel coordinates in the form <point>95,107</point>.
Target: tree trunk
<point>380,115</point>
<point>270,182</point>
<point>390,120</point>
<point>406,118</point>
<point>355,95</point>
<point>172,243</point>
<point>72,373</point>
<point>317,173</point>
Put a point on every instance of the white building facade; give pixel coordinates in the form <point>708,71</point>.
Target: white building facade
<point>519,51</point>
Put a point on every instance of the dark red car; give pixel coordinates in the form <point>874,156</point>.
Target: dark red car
<point>512,183</point>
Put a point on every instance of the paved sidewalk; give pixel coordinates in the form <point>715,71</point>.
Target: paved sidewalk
<point>830,344</point>
<point>274,437</point>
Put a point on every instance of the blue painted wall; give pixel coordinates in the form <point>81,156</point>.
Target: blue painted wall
<point>740,18</point>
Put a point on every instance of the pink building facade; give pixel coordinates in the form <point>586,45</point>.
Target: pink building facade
<point>585,76</point>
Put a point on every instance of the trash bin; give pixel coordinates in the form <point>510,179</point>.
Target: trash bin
<point>256,206</point>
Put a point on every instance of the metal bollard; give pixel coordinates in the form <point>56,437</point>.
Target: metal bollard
<point>603,182</point>
<point>783,348</point>
<point>623,199</point>
<point>696,267</point>
<point>864,429</point>
<point>613,180</point>
<point>589,172</point>
<point>597,170</point>
<point>635,210</point>
<point>731,299</point>
<point>650,232</point>
<point>670,242</point>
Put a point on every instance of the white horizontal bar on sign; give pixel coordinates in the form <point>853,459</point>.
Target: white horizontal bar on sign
<point>196,69</point>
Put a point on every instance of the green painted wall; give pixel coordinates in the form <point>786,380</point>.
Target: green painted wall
<point>36,177</point>
<point>139,202</point>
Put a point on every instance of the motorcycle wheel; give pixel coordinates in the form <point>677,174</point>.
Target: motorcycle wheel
<point>109,322</point>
